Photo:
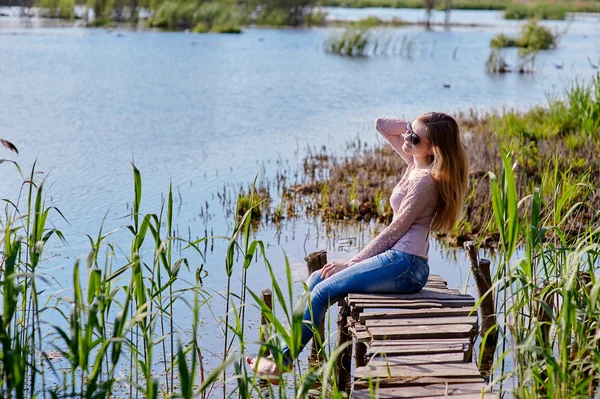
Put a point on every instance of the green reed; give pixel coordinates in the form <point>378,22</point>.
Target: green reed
<point>547,299</point>
<point>106,337</point>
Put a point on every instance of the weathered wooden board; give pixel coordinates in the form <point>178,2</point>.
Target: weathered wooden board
<point>467,396</point>
<point>426,391</point>
<point>436,277</point>
<point>417,313</point>
<point>417,349</point>
<point>422,321</point>
<point>417,332</point>
<point>420,342</point>
<point>360,335</point>
<point>391,305</point>
<point>407,304</point>
<point>416,359</point>
<point>425,293</point>
<point>415,381</point>
<point>384,394</point>
<point>423,370</point>
<point>436,285</point>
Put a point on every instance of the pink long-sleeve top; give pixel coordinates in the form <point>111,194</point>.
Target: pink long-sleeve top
<point>414,201</point>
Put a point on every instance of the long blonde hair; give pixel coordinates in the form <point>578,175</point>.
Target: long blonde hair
<point>449,167</point>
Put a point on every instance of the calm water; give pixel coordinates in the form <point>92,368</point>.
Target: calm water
<point>210,111</point>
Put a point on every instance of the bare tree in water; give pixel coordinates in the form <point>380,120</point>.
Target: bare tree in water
<point>448,9</point>
<point>429,6</point>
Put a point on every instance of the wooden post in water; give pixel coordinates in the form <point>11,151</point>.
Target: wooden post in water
<point>345,361</point>
<point>483,281</point>
<point>267,297</point>
<point>314,262</point>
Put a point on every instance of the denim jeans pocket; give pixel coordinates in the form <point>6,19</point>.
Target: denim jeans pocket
<point>420,271</point>
<point>406,283</point>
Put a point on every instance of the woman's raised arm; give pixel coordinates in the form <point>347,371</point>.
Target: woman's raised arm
<point>392,129</point>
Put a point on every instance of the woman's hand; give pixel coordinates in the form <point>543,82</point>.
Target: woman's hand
<point>332,268</point>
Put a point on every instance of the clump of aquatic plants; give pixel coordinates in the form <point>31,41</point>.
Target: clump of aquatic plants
<point>547,293</point>
<point>352,42</point>
<point>534,37</point>
<point>113,334</point>
<point>496,63</point>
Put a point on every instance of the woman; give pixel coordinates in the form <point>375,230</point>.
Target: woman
<point>428,197</point>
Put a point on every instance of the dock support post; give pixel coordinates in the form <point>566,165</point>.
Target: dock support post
<point>314,262</point>
<point>345,361</point>
<point>483,281</point>
<point>267,297</point>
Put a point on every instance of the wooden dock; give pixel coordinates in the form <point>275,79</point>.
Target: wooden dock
<point>414,345</point>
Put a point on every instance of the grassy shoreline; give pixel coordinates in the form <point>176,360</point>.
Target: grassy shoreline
<point>555,148</point>
<point>498,5</point>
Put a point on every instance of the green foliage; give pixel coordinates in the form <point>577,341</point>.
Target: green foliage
<point>353,42</point>
<point>255,200</point>
<point>502,41</point>
<point>538,11</point>
<point>577,116</point>
<point>547,301</point>
<point>211,16</point>
<point>64,9</point>
<point>315,18</point>
<point>533,38</point>
<point>456,4</point>
<point>201,27</point>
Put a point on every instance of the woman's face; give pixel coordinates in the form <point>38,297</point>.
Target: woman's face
<point>416,142</point>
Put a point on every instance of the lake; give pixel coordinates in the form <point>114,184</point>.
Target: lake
<point>209,112</point>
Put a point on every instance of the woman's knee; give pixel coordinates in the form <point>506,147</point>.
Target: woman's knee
<point>313,280</point>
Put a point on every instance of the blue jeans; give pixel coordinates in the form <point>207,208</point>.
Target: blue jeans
<point>391,272</point>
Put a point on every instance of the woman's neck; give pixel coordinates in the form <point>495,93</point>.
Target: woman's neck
<point>421,162</point>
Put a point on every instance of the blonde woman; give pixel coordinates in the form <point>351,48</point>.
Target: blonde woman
<point>429,196</point>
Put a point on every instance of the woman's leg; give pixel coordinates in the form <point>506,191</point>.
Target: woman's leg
<point>390,272</point>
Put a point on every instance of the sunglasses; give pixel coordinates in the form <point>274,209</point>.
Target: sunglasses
<point>414,138</point>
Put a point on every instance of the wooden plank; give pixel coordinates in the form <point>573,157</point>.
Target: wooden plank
<point>392,305</point>
<point>466,396</point>
<point>422,321</point>
<point>417,313</point>
<point>437,277</point>
<point>425,293</point>
<point>427,391</point>
<point>384,394</point>
<point>417,359</point>
<point>415,381</point>
<point>435,285</point>
<point>407,304</point>
<point>449,299</point>
<point>420,342</point>
<point>417,332</point>
<point>423,370</point>
<point>361,336</point>
<point>417,349</point>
